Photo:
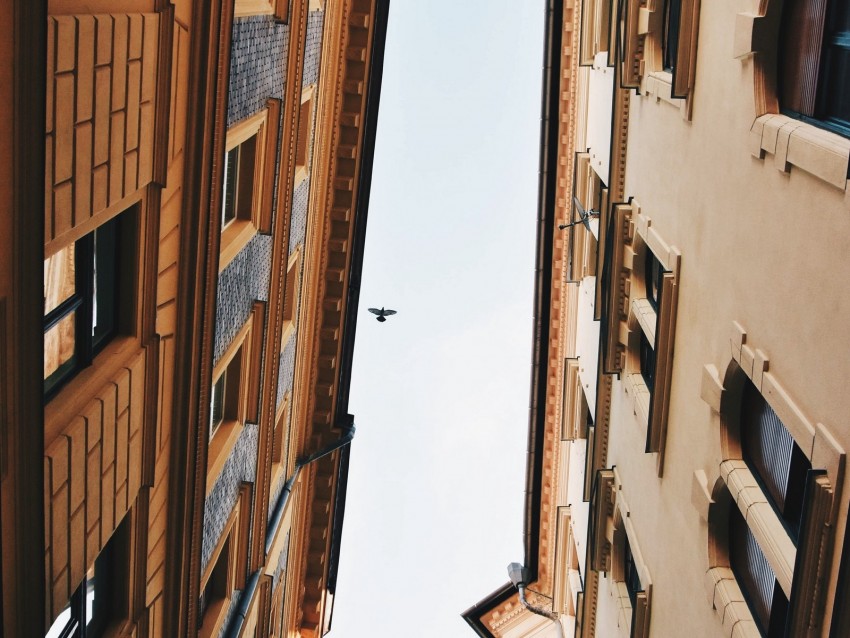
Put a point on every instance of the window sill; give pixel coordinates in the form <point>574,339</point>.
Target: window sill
<point>635,388</point>
<point>214,618</point>
<point>762,520</point>
<point>729,604</point>
<point>659,84</point>
<point>646,317</point>
<point>244,8</point>
<point>88,384</point>
<point>234,238</point>
<point>300,175</point>
<point>819,152</point>
<point>220,448</point>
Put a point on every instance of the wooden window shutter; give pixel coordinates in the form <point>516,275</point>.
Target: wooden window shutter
<point>755,577</point>
<point>800,54</point>
<point>773,456</point>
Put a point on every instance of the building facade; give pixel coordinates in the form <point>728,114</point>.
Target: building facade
<point>687,439</point>
<point>178,466</point>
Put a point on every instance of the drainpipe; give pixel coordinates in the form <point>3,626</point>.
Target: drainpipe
<point>241,613</point>
<point>519,576</point>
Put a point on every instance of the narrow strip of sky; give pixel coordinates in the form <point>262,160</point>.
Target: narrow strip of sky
<point>440,391</point>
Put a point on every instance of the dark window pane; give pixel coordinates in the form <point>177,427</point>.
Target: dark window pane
<point>670,37</point>
<point>217,403</point>
<point>59,282</point>
<point>653,279</point>
<point>630,573</point>
<point>836,85</point>
<point>647,361</point>
<point>105,283</point>
<point>59,351</point>
<point>231,174</point>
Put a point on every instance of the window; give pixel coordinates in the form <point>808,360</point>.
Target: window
<point>653,277</point>
<point>670,33</point>
<point>281,423</point>
<point>81,302</point>
<point>223,405</point>
<point>631,577</point>
<point>647,361</point>
<point>248,180</point>
<point>595,29</point>
<point>815,62</point>
<point>303,150</point>
<point>780,468</point>
<point>234,393</point>
<point>227,409</point>
<point>767,602</point>
<point>102,599</point>
<point>226,569</point>
<point>291,294</point>
<point>643,296</point>
<point>773,457</point>
<point>238,195</point>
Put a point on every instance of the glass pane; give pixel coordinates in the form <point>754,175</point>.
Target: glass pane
<point>231,172</point>
<point>58,626</point>
<point>59,282</point>
<point>91,585</point>
<point>217,403</point>
<point>836,92</point>
<point>59,349</point>
<point>105,278</point>
<point>647,361</point>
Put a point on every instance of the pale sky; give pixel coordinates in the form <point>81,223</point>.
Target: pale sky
<point>440,391</point>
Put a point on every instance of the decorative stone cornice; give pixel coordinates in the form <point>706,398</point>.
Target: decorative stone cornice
<point>335,178</point>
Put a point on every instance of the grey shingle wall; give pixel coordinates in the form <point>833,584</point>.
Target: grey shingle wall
<point>298,221</point>
<point>257,65</point>
<point>244,280</point>
<point>286,369</point>
<point>281,565</point>
<point>240,466</point>
<point>313,47</point>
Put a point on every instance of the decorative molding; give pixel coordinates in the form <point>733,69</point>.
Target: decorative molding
<point>209,58</point>
<point>277,281</point>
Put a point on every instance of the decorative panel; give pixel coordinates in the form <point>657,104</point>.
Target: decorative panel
<point>100,114</point>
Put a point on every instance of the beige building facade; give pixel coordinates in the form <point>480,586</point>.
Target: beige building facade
<point>690,476</point>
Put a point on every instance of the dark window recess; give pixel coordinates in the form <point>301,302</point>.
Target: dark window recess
<point>773,457</point>
<point>764,596</point>
<point>217,403</point>
<point>237,198</point>
<point>654,279</point>
<point>215,589</point>
<point>670,33</point>
<point>102,596</point>
<point>83,322</point>
<point>630,573</point>
<point>814,77</point>
<point>647,361</point>
<point>228,198</point>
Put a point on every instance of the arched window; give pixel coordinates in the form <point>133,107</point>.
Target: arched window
<point>814,77</point>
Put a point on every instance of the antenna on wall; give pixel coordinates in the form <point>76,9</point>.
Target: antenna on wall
<point>584,216</point>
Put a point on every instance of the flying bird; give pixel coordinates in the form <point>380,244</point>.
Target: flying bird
<point>382,313</point>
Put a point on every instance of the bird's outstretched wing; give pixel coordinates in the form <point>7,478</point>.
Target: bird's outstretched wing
<point>374,311</point>
<point>387,313</point>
